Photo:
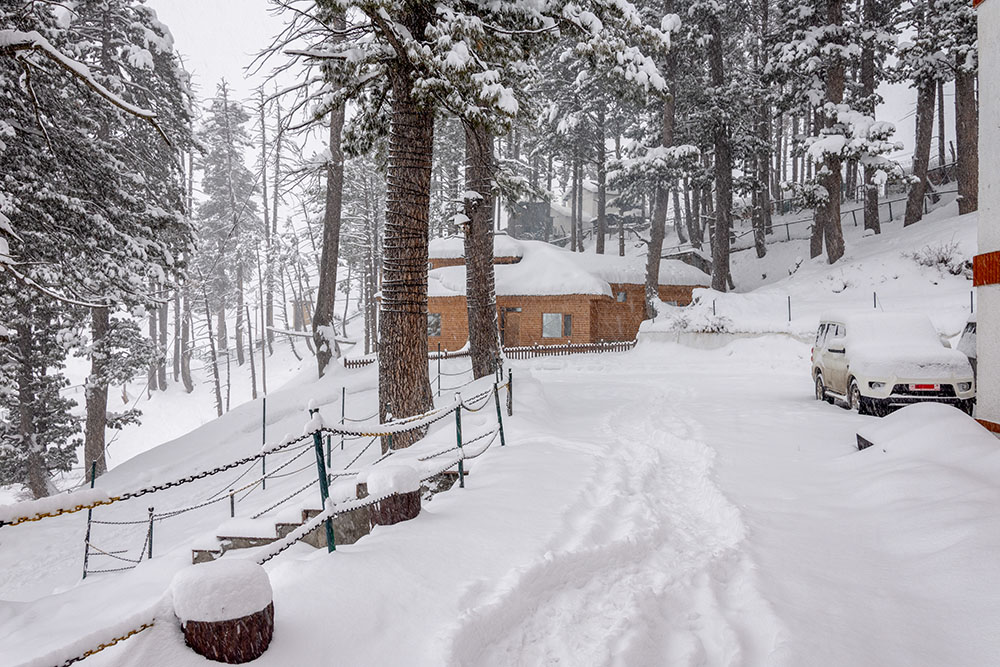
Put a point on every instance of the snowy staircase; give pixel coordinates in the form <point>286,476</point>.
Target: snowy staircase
<point>348,528</point>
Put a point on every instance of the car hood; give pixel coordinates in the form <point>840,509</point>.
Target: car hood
<point>910,362</point>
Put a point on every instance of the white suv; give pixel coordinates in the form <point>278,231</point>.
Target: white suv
<point>874,362</point>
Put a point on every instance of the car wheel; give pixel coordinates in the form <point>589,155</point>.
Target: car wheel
<point>820,388</point>
<point>855,401</point>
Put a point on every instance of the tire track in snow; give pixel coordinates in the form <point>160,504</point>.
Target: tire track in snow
<point>647,570</point>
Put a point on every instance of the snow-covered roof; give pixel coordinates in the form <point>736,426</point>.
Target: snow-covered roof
<point>546,269</point>
<point>453,247</point>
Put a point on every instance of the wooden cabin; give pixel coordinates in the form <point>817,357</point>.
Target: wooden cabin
<point>547,295</point>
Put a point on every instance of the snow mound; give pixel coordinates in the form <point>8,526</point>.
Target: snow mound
<point>453,247</point>
<point>385,479</point>
<point>221,590</point>
<point>924,426</point>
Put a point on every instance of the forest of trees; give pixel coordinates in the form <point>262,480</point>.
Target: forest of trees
<point>380,128</point>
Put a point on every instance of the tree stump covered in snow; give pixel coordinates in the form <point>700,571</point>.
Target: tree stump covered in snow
<point>225,609</point>
<point>403,482</point>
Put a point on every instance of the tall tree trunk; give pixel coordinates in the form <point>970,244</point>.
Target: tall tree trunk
<point>34,452</point>
<point>678,215</point>
<point>967,138</point>
<point>941,131</point>
<point>324,333</point>
<point>404,378</point>
<point>868,92</point>
<point>831,179</point>
<point>763,157</point>
<point>177,335</point>
<point>97,395</point>
<point>152,383</point>
<point>161,370</point>
<point>921,151</point>
<point>602,184</point>
<point>479,278</point>
<point>268,277</point>
<point>579,206</point>
<point>214,357</point>
<point>723,166</point>
<point>186,345</point>
<point>572,204</point>
<point>240,358</point>
<point>658,224</point>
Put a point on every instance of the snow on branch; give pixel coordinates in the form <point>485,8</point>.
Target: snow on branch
<point>13,42</point>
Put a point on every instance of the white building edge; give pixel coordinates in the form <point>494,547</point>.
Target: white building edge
<point>987,263</point>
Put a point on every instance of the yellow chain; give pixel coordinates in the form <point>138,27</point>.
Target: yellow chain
<point>59,512</point>
<point>101,647</point>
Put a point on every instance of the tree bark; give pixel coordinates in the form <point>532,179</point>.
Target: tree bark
<point>240,358</point>
<point>214,357</point>
<point>602,184</point>
<point>572,204</point>
<point>723,167</point>
<point>967,139</point>
<point>921,152</point>
<point>37,473</point>
<point>324,333</point>
<point>479,277</point>
<point>97,396</point>
<point>831,178</point>
<point>404,378</point>
<point>658,224</point>
<point>161,371</point>
<point>941,132</point>
<point>868,92</point>
<point>151,377</point>
<point>186,345</point>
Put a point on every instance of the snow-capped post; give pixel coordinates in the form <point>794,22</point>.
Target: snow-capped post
<point>225,608</point>
<point>324,486</point>
<point>458,436</point>
<point>232,504</point>
<point>789,307</point>
<point>90,516</point>
<point>496,400</point>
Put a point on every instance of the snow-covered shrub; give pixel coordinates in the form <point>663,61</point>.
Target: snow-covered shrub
<point>946,257</point>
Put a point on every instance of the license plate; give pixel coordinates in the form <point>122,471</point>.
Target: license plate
<point>925,387</point>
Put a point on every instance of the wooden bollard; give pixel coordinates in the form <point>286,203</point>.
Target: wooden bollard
<point>403,482</point>
<point>225,609</point>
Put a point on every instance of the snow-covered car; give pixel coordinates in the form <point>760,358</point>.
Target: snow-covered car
<point>967,343</point>
<point>875,362</point>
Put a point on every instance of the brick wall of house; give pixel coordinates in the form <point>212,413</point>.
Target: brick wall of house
<point>533,307</point>
<point>595,318</point>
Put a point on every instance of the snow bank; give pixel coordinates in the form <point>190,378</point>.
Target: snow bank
<point>385,479</point>
<point>221,590</point>
<point>51,505</point>
<point>924,425</point>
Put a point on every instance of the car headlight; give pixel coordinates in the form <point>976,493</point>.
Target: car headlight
<point>964,386</point>
<point>876,385</point>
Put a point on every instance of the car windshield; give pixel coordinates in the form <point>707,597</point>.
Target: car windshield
<point>893,330</point>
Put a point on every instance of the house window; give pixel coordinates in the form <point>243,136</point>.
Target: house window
<point>433,324</point>
<point>621,297</point>
<point>556,325</point>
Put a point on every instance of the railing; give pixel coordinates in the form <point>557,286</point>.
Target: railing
<point>532,351</point>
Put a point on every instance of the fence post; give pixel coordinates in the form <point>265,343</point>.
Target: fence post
<point>854,214</point>
<point>889,202</point>
<point>439,370</point>
<point>388,418</point>
<point>788,231</point>
<point>263,442</point>
<point>343,414</point>
<point>150,533</point>
<point>324,487</point>
<point>232,504</point>
<point>496,400</point>
<point>972,305</point>
<point>510,392</point>
<point>90,516</point>
<point>789,307</point>
<point>458,436</point>
<point>713,307</point>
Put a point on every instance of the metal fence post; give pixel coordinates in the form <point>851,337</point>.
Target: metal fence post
<point>90,516</point>
<point>496,400</point>
<point>343,414</point>
<point>151,533</point>
<point>324,485</point>
<point>458,436</point>
<point>789,307</point>
<point>439,370</point>
<point>510,392</point>
<point>232,504</point>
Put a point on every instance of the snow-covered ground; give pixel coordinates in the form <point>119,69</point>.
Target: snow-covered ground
<point>664,506</point>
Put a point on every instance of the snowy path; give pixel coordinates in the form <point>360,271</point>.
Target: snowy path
<point>666,506</point>
<point>647,566</point>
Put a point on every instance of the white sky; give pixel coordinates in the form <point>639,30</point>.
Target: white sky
<point>219,38</point>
